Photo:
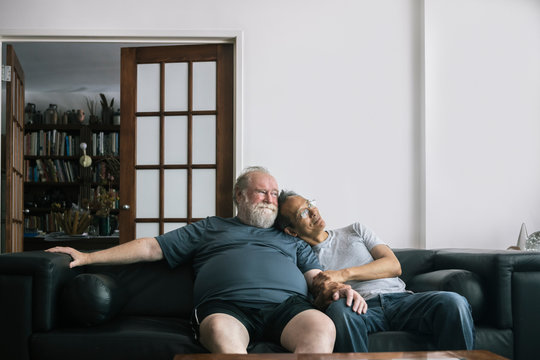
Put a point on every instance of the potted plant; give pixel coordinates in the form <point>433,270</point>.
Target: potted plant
<point>91,104</point>
<point>106,197</point>
<point>106,109</point>
<point>103,203</point>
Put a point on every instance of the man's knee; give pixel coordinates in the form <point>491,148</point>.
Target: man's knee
<point>455,302</point>
<point>342,314</point>
<point>310,331</point>
<point>223,333</point>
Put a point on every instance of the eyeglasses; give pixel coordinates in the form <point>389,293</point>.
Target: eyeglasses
<point>310,204</point>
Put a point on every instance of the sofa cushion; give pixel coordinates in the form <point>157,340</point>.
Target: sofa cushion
<point>124,337</point>
<point>152,288</point>
<point>463,282</point>
<point>91,299</point>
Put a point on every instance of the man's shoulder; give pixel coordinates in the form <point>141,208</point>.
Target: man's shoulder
<point>354,227</point>
<point>219,220</point>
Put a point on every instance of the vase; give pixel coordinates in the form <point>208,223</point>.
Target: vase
<point>104,223</point>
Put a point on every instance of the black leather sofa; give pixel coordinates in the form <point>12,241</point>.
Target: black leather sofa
<point>141,311</point>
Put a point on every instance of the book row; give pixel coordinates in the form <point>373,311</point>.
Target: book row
<point>59,143</point>
<point>45,222</point>
<point>48,170</point>
<point>47,143</point>
<point>105,144</point>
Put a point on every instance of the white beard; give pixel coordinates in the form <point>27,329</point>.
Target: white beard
<point>259,215</point>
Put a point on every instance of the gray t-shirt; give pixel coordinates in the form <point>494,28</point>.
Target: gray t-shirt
<point>350,246</point>
<point>235,262</point>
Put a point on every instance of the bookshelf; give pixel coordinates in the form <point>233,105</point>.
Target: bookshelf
<point>54,179</point>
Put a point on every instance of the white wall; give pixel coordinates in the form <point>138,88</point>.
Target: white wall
<point>482,121</point>
<point>333,102</point>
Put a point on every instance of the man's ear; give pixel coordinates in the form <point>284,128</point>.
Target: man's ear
<point>289,231</point>
<point>237,196</point>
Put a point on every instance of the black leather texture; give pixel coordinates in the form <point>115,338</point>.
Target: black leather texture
<point>503,288</point>
<point>91,299</point>
<point>463,282</point>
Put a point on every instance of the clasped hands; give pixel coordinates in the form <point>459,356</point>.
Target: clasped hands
<point>327,291</point>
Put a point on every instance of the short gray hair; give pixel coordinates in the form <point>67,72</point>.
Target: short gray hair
<point>242,181</point>
<point>283,221</point>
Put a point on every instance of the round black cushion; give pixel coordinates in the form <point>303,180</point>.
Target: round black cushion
<point>91,299</point>
<point>463,282</point>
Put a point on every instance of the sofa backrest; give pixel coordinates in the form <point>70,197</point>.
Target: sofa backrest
<point>414,262</point>
<point>152,288</point>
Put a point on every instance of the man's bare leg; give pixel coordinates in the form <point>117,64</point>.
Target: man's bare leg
<point>310,331</point>
<point>222,333</point>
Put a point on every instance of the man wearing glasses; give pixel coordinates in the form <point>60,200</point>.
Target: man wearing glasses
<point>251,280</point>
<point>356,256</point>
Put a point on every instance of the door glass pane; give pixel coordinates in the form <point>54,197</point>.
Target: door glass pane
<point>176,87</point>
<point>204,85</point>
<point>148,87</point>
<point>204,193</point>
<point>175,190</point>
<point>147,141</point>
<point>172,226</point>
<point>176,139</point>
<point>146,230</point>
<point>204,139</point>
<point>147,194</point>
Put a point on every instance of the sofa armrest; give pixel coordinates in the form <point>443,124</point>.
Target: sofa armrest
<point>30,284</point>
<point>463,282</point>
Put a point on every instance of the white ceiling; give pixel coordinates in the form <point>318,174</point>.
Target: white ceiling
<point>71,67</point>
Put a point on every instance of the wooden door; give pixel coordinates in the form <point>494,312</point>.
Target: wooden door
<point>176,137</point>
<point>14,154</point>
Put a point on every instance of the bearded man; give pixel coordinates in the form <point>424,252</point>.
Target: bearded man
<point>251,280</point>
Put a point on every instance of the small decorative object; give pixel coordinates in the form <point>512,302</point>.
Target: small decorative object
<point>66,116</point>
<point>107,110</point>
<point>72,119</point>
<point>522,238</point>
<point>533,242</point>
<point>85,160</point>
<point>29,113</point>
<point>91,104</point>
<point>104,225</point>
<point>80,116</point>
<point>51,114</point>
<point>73,222</point>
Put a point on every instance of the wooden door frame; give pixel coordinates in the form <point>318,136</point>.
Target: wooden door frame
<point>157,38</point>
<point>14,162</point>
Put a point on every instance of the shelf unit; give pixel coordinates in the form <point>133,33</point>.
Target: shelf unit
<point>53,174</point>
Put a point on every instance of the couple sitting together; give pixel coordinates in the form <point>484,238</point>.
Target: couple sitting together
<point>259,276</point>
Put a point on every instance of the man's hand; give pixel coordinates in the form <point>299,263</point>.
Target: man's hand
<point>78,257</point>
<point>326,291</point>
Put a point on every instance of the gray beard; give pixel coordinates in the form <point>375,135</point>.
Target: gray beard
<point>258,215</point>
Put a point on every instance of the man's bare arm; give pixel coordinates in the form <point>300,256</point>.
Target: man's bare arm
<point>386,265</point>
<point>143,249</point>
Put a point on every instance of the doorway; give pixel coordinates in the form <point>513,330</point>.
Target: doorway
<point>78,50</point>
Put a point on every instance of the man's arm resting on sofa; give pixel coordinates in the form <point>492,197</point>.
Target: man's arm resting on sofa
<point>143,249</point>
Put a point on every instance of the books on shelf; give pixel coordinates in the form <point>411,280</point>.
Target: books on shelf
<point>105,144</point>
<point>45,222</point>
<point>49,170</point>
<point>51,143</point>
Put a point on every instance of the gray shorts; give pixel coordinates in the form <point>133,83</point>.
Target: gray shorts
<point>266,323</point>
